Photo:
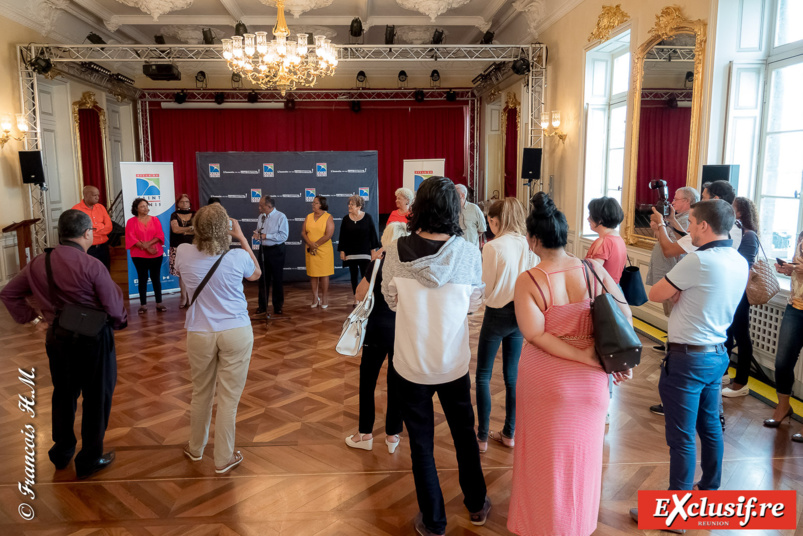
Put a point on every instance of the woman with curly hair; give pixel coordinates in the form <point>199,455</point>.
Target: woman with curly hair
<point>219,335</point>
<point>739,331</point>
<point>145,239</point>
<point>404,199</point>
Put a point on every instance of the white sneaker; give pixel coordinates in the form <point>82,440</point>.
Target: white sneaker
<point>726,380</point>
<point>364,444</point>
<point>730,393</point>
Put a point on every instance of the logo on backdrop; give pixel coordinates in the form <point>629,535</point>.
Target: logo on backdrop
<point>309,194</point>
<point>320,169</point>
<point>421,176</point>
<point>148,188</point>
<point>364,193</point>
<point>214,170</point>
<point>256,195</point>
<point>267,170</point>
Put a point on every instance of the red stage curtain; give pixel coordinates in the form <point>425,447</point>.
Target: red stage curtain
<point>511,151</point>
<point>397,130</point>
<point>663,151</point>
<point>92,152</point>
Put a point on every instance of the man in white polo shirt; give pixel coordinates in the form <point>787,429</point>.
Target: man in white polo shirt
<point>706,286</point>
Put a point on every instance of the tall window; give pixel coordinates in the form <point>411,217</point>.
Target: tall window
<point>607,80</point>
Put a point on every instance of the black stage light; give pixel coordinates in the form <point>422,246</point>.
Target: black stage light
<point>521,66</point>
<point>209,37</point>
<point>159,39</point>
<point>451,96</point>
<point>356,106</point>
<point>95,39</point>
<point>180,97</point>
<point>487,38</point>
<point>200,79</point>
<point>361,77</point>
<point>419,95</point>
<point>41,65</point>
<point>220,98</point>
<point>689,77</point>
<point>236,80</point>
<point>253,97</point>
<point>123,78</point>
<point>240,29</point>
<point>390,34</point>
<point>92,66</point>
<point>402,76</point>
<point>289,104</point>
<point>435,76</point>
<point>437,37</point>
<point>355,28</point>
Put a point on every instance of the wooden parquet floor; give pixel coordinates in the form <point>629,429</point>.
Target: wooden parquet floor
<point>298,477</point>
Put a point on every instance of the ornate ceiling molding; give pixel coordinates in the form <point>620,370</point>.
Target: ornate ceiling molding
<point>297,7</point>
<point>192,35</point>
<point>431,8</point>
<point>417,35</point>
<point>534,11</point>
<point>47,12</point>
<point>611,18</point>
<point>156,8</point>
<point>669,20</point>
<point>313,30</point>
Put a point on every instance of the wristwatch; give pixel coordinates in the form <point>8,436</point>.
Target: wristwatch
<point>36,320</point>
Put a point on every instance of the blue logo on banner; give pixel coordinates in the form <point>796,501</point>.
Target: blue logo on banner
<point>148,187</point>
<point>419,179</point>
<point>364,193</point>
<point>320,169</point>
<point>214,170</point>
<point>256,194</point>
<point>267,170</point>
<point>309,194</point>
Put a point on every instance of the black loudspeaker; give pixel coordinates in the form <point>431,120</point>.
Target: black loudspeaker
<point>531,164</point>
<point>728,173</point>
<point>31,166</point>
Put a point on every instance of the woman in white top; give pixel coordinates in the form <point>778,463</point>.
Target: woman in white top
<point>219,335</point>
<point>503,259</point>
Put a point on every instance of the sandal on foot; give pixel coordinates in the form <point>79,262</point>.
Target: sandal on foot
<point>161,308</point>
<point>502,438</point>
<point>238,458</point>
<point>364,444</point>
<point>142,310</point>
<point>393,445</point>
<point>190,455</point>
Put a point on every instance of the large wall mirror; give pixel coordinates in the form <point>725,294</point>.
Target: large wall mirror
<point>667,99</point>
<point>90,136</point>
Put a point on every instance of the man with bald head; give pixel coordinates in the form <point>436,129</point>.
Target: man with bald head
<point>101,224</point>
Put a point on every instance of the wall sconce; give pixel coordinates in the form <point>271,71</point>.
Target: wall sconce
<point>555,124</point>
<point>6,125</point>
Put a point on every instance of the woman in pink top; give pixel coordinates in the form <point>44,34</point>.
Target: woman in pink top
<point>604,216</point>
<point>145,239</point>
<point>404,198</point>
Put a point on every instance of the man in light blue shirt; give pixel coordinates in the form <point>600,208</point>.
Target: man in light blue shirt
<point>270,235</point>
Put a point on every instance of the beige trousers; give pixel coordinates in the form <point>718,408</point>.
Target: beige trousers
<point>220,357</point>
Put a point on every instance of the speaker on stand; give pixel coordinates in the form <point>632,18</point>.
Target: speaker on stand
<point>33,175</point>
<point>531,167</point>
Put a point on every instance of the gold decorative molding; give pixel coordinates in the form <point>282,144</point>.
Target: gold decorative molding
<point>668,21</point>
<point>611,18</point>
<point>88,102</point>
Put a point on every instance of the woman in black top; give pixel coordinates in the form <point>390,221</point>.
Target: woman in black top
<point>380,335</point>
<point>357,240</point>
<point>181,232</point>
<point>739,331</point>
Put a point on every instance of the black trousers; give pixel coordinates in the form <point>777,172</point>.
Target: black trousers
<point>271,262</point>
<point>354,267</point>
<point>419,418</point>
<point>149,267</point>
<point>88,367</point>
<point>101,253</point>
<point>739,336</point>
<point>374,350</point>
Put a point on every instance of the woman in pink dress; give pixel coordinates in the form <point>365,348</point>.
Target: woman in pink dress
<point>145,239</point>
<point>562,394</point>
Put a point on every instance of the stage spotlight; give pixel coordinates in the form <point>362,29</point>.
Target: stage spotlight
<point>159,39</point>
<point>209,37</point>
<point>437,37</point>
<point>356,106</point>
<point>95,39</point>
<point>220,98</point>
<point>289,104</point>
<point>451,96</point>
<point>419,95</point>
<point>240,29</point>
<point>435,76</point>
<point>355,28</point>
<point>41,65</point>
<point>180,97</point>
<point>236,81</point>
<point>689,77</point>
<point>200,79</point>
<point>521,66</point>
<point>487,38</point>
<point>122,78</point>
<point>390,34</point>
<point>361,77</point>
<point>253,97</point>
<point>402,76</point>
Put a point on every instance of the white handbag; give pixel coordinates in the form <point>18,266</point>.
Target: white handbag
<point>353,334</point>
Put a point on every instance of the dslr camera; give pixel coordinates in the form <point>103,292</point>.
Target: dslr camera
<point>662,205</point>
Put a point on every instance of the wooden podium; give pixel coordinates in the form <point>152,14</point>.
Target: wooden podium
<point>24,240</point>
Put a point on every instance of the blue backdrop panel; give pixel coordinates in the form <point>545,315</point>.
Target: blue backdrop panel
<point>293,179</point>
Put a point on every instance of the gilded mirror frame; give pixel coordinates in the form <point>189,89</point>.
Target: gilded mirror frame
<point>668,23</point>
<point>88,102</point>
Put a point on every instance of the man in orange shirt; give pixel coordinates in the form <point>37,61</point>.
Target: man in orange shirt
<point>101,223</point>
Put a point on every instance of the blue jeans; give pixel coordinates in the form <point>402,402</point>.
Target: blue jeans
<point>690,387</point>
<point>790,342</point>
<point>498,327</point>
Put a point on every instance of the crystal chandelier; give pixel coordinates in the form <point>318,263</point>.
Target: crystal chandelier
<point>280,63</point>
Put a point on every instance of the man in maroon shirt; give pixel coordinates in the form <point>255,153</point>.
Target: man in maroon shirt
<point>78,364</point>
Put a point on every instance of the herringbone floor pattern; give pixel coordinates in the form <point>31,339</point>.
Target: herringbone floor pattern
<point>298,477</point>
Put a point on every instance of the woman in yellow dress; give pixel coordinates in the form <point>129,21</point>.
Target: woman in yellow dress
<point>317,234</point>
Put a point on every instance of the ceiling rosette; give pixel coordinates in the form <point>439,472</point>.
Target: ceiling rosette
<point>431,8</point>
<point>157,8</point>
<point>297,7</point>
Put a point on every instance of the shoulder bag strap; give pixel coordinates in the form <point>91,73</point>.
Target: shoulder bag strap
<point>603,284</point>
<point>762,249</point>
<point>208,277</point>
<point>51,283</point>
<point>373,278</point>
<point>588,281</point>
